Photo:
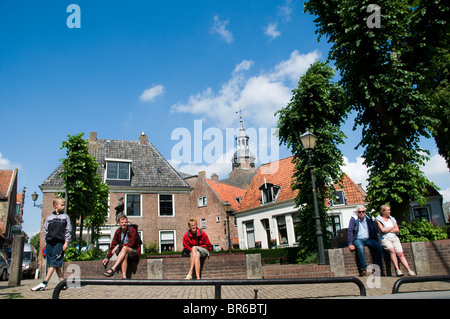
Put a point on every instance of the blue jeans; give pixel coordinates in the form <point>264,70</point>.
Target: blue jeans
<point>374,246</point>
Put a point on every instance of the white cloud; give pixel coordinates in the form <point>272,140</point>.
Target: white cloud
<point>271,31</point>
<point>220,27</point>
<point>150,94</point>
<point>261,95</point>
<point>445,194</point>
<point>435,166</point>
<point>296,65</point>
<point>357,171</point>
<point>285,10</point>
<point>6,163</point>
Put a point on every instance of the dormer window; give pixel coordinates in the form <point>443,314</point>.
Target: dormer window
<point>269,192</point>
<point>338,199</point>
<point>118,172</point>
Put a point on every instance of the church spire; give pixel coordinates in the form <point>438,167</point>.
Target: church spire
<point>242,157</point>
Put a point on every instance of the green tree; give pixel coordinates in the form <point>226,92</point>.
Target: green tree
<point>317,105</point>
<point>387,74</point>
<point>87,195</point>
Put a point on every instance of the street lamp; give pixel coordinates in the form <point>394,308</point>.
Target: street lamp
<point>34,197</point>
<point>309,141</point>
<point>227,208</point>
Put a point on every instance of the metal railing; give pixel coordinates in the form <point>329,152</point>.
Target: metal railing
<point>217,283</point>
<point>405,280</point>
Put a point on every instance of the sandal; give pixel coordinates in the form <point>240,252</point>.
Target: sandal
<point>188,277</point>
<point>109,273</point>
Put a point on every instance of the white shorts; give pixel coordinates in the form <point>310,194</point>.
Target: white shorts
<point>203,251</point>
<point>392,242</point>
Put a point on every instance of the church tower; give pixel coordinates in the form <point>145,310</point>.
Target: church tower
<point>243,161</point>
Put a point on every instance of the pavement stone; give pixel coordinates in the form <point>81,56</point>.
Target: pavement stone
<point>374,289</point>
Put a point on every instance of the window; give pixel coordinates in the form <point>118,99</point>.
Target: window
<point>336,224</point>
<point>117,170</point>
<point>202,202</point>
<point>421,212</point>
<point>167,240</point>
<point>296,221</point>
<point>269,192</point>
<point>166,205</point>
<point>250,231</point>
<point>282,230</point>
<point>338,199</point>
<point>133,205</point>
<point>203,223</point>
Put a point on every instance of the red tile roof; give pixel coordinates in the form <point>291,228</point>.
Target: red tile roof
<point>277,173</point>
<point>227,193</point>
<point>280,173</point>
<point>5,182</point>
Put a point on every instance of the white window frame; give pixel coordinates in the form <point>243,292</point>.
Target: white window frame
<point>115,160</point>
<point>126,205</point>
<point>159,206</point>
<point>174,232</point>
<point>202,201</point>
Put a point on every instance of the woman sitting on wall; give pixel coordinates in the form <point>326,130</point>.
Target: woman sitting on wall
<point>197,243</point>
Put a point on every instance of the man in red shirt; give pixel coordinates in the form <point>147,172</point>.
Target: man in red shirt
<point>197,242</point>
<point>126,245</point>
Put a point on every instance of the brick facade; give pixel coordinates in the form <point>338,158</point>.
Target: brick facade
<point>424,258</point>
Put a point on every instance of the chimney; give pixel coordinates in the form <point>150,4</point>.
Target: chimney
<point>215,178</point>
<point>202,175</point>
<point>143,139</point>
<point>93,137</point>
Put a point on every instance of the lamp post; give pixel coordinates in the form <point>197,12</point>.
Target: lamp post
<point>227,208</point>
<point>309,141</point>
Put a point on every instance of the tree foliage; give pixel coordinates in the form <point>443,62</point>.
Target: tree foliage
<point>395,77</point>
<point>87,195</point>
<point>317,105</point>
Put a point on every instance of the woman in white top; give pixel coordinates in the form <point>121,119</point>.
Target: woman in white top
<point>389,240</point>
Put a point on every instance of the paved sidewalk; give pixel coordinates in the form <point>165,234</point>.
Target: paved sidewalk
<point>326,291</point>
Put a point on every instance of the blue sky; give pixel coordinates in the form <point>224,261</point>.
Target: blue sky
<point>177,70</point>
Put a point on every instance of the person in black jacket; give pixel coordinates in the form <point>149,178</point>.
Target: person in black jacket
<point>364,232</point>
<point>57,232</point>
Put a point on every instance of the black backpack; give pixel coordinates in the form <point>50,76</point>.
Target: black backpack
<point>136,229</point>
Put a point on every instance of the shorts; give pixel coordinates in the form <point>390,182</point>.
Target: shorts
<point>132,255</point>
<point>203,251</point>
<point>392,242</point>
<point>55,254</point>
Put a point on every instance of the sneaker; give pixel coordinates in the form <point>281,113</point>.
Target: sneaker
<point>411,273</point>
<point>399,273</point>
<point>39,287</point>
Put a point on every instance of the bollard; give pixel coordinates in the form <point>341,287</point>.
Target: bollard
<point>15,275</point>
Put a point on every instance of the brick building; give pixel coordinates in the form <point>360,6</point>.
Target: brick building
<point>11,207</point>
<point>154,195</point>
<point>208,197</point>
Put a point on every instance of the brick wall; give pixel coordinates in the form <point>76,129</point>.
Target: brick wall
<point>217,266</point>
<point>95,270</point>
<point>438,253</point>
<point>437,257</point>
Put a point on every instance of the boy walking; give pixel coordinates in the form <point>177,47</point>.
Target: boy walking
<point>57,229</point>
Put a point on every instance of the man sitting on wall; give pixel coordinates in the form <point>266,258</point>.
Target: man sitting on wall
<point>125,244</point>
<point>363,232</point>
